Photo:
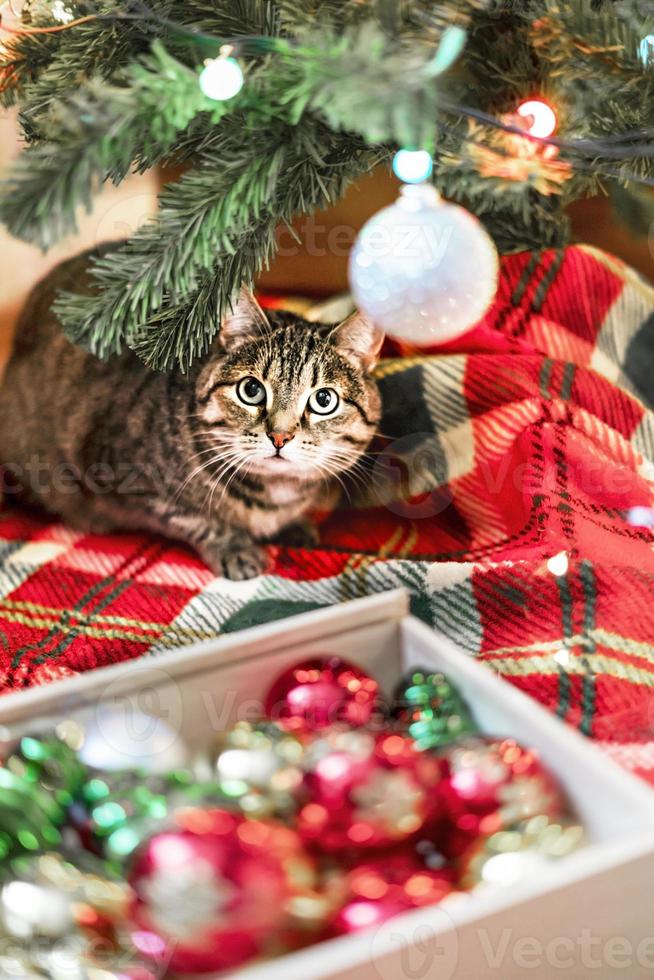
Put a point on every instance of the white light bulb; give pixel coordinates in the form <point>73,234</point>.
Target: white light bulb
<point>646,50</point>
<point>412,166</point>
<point>543,118</point>
<point>641,516</point>
<point>221,79</point>
<point>558,564</point>
<point>61,12</point>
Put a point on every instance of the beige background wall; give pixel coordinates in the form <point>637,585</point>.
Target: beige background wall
<point>118,211</point>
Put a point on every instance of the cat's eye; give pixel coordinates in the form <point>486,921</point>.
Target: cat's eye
<point>251,391</point>
<point>324,401</point>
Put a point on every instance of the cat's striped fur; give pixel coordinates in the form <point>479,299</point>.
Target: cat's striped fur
<point>113,445</point>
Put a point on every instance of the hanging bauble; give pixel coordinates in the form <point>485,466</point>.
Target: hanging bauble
<point>523,852</point>
<point>318,693</point>
<point>422,269</point>
<point>259,767</point>
<point>430,710</point>
<point>213,897</point>
<point>386,886</point>
<point>126,738</point>
<point>491,784</point>
<point>364,791</point>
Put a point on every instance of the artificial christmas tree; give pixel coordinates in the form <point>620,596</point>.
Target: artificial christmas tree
<point>329,91</point>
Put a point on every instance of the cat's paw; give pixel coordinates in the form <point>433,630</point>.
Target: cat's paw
<point>301,534</point>
<point>239,562</point>
<point>244,563</point>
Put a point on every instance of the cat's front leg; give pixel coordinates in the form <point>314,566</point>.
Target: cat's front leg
<point>228,551</point>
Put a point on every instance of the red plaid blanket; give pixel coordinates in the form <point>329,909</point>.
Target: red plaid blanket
<point>512,496</point>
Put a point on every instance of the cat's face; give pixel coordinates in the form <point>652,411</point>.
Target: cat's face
<point>289,398</point>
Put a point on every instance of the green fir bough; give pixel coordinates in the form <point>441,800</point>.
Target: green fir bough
<point>332,88</point>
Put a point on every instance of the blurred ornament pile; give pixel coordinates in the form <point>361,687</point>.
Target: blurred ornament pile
<point>333,813</point>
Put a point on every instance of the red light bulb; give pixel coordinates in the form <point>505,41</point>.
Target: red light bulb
<point>543,118</point>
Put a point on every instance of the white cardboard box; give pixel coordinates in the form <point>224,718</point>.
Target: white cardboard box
<point>590,915</point>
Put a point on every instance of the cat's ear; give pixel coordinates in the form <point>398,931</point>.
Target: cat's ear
<point>359,339</point>
<point>245,321</point>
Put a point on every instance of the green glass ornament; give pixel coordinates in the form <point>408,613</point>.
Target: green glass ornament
<point>117,811</point>
<point>40,776</point>
<point>49,761</point>
<point>30,819</point>
<point>431,710</point>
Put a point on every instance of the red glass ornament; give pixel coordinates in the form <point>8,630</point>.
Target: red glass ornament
<point>490,784</point>
<point>364,791</point>
<point>385,887</point>
<point>210,894</point>
<point>318,693</point>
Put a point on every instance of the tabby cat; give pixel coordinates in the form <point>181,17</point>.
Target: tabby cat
<point>224,457</point>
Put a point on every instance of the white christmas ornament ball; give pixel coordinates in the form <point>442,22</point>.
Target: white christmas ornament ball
<point>422,269</point>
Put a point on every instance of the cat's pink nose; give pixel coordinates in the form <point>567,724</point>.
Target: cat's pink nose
<point>279,439</point>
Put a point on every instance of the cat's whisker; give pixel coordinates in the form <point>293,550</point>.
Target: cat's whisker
<point>345,461</point>
<point>322,466</point>
<point>244,459</point>
<point>200,469</point>
<point>204,452</point>
<point>349,466</point>
<point>208,497</point>
<point>355,469</point>
<point>222,435</point>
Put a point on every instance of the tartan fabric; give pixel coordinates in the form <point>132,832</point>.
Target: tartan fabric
<point>528,439</point>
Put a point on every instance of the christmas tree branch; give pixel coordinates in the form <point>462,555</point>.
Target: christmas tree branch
<point>348,82</point>
<point>96,136</point>
<point>165,326</point>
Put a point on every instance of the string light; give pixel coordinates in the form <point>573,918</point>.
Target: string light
<point>646,50</point>
<point>641,516</point>
<point>558,564</point>
<point>61,12</point>
<point>412,166</point>
<point>223,80</point>
<point>27,32</point>
<point>222,77</point>
<point>450,47</point>
<point>542,116</point>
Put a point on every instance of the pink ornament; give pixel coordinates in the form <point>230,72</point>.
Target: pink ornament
<point>490,784</point>
<point>363,791</point>
<point>321,692</point>
<point>212,894</point>
<point>385,887</point>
